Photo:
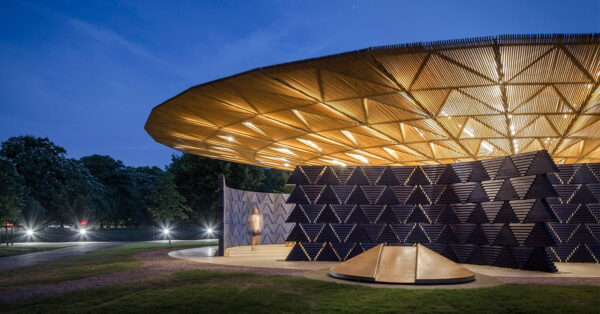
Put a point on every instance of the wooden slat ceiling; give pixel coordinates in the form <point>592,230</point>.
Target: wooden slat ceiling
<point>424,103</point>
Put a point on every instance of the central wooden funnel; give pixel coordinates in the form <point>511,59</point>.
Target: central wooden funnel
<point>402,264</point>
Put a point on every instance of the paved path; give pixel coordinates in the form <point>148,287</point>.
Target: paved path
<point>31,259</point>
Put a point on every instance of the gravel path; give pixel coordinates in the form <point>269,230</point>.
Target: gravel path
<point>159,263</point>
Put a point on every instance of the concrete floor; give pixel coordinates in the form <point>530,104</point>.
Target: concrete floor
<point>273,256</point>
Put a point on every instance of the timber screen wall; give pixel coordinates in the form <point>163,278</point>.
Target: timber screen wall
<point>503,211</point>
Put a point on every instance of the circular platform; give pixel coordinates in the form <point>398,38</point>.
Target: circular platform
<point>273,256</point>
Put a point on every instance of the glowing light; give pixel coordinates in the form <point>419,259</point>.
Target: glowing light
<point>310,143</point>
<point>29,232</point>
<point>391,152</point>
<point>253,127</point>
<point>209,230</point>
<point>166,231</point>
<point>286,164</point>
<point>469,132</point>
<point>229,138</point>
<point>224,149</point>
<point>359,157</point>
<point>487,146</point>
<point>350,136</point>
<point>284,150</point>
<point>82,231</point>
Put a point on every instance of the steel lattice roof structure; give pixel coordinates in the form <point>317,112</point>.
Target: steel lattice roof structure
<point>411,104</point>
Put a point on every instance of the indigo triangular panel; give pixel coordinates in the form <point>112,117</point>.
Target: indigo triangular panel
<point>566,172</point>
<point>583,195</point>
<point>312,249</point>
<point>373,173</point>
<point>342,211</point>
<point>417,235</point>
<point>358,216</point>
<point>297,254</point>
<point>478,173</point>
<point>297,215</point>
<point>540,212</point>
<point>342,173</point>
<point>402,192</point>
<point>327,235</point>
<point>417,216</point>
<point>464,190</point>
<point>328,177</point>
<point>540,188</point>
<point>312,230</point>
<point>387,235</point>
<point>373,231</point>
<point>388,216</point>
<point>372,211</point>
<point>312,211</point>
<point>539,236</point>
<point>327,215</point>
<point>312,172</point>
<point>402,173</point>
<point>582,216</point>
<point>540,261</point>
<point>418,178</point>
<point>358,197</point>
<point>433,172</point>
<point>297,234</point>
<point>402,231</point>
<point>433,211</point>
<point>388,178</point>
<point>342,249</point>
<point>463,170</point>
<point>387,197</point>
<point>523,161</point>
<point>402,211</point>
<point>583,176</point>
<point>506,214</point>
<point>297,177</point>
<point>463,211</point>
<point>433,231</point>
<point>564,211</point>
<point>342,192</point>
<point>448,176</point>
<point>507,192</point>
<point>505,259</point>
<point>358,178</point>
<point>433,193</point>
<point>542,163</point>
<point>582,235</point>
<point>327,254</point>
<point>492,188</point>
<point>507,169</point>
<point>328,196</point>
<point>312,192</point>
<point>447,236</point>
<point>477,236</point>
<point>506,237</point>
<point>522,185</point>
<point>342,230</point>
<point>356,250</point>
<point>448,216</point>
<point>417,197</point>
<point>581,255</point>
<point>478,215</point>
<point>297,196</point>
<point>372,192</point>
<point>358,234</point>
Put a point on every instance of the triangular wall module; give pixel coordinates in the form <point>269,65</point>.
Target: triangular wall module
<point>402,265</point>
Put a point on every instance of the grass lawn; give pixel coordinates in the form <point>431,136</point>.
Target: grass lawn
<point>21,249</point>
<point>216,292</point>
<point>101,262</point>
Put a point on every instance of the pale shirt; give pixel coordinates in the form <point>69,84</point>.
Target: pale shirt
<point>256,222</point>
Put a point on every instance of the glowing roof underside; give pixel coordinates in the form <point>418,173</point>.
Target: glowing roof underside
<point>423,103</point>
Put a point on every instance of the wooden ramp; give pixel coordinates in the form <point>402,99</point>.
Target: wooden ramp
<point>403,265</point>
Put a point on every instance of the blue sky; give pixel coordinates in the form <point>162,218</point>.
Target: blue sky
<point>87,73</point>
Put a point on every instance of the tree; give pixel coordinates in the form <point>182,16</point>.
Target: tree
<point>166,203</point>
<point>196,178</point>
<point>12,192</point>
<point>63,187</point>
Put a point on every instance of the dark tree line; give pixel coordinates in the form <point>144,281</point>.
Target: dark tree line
<point>39,185</point>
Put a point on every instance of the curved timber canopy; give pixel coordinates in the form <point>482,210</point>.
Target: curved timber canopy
<point>421,103</point>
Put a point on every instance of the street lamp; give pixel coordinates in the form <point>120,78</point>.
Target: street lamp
<point>29,232</point>
<point>167,232</point>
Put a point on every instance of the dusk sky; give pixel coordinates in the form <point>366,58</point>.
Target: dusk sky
<point>87,73</point>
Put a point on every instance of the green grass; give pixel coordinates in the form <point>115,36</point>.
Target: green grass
<point>19,249</point>
<point>206,291</point>
<point>101,262</point>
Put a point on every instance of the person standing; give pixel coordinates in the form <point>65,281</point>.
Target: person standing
<point>256,226</point>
